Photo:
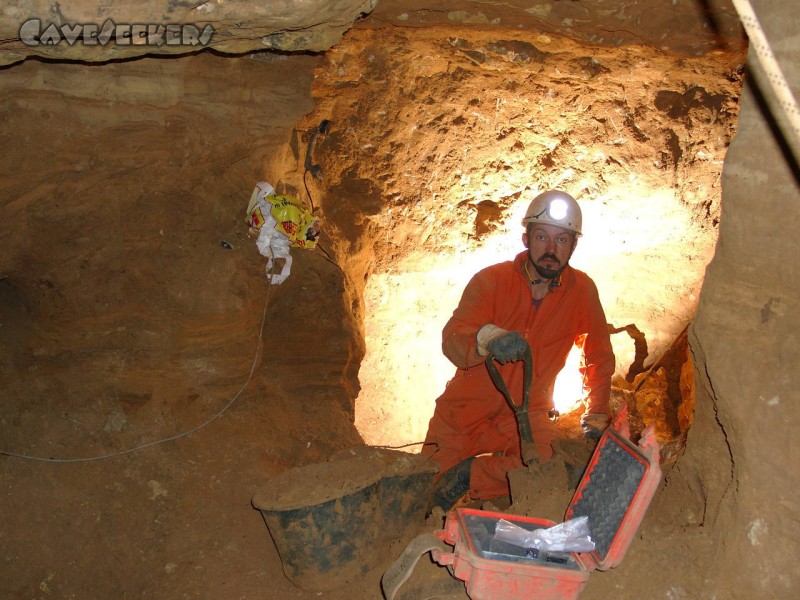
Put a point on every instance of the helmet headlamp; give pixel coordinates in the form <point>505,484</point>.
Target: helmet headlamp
<point>555,208</point>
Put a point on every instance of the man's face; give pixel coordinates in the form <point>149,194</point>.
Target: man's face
<point>549,248</point>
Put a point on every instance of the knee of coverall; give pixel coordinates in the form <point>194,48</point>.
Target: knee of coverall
<point>488,475</point>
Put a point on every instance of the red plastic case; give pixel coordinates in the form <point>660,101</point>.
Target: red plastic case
<point>615,491</point>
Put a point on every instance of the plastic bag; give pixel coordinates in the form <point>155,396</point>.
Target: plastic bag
<point>570,536</point>
<point>279,224</point>
<point>287,216</point>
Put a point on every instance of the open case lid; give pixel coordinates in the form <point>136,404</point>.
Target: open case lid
<point>616,489</point>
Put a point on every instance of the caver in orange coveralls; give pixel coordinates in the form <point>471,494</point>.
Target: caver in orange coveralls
<point>472,418</point>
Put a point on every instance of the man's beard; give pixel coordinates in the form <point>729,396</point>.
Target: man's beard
<point>545,272</point>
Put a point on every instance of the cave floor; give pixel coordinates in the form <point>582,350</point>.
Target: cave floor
<point>175,521</point>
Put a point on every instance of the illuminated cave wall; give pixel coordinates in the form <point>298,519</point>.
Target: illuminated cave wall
<point>439,140</point>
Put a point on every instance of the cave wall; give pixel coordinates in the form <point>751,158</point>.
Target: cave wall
<point>120,183</point>
<point>440,136</point>
<point>742,454</point>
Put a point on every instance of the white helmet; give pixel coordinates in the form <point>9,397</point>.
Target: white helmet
<point>555,208</point>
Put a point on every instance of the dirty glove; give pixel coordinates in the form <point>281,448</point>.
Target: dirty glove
<point>505,346</point>
<point>509,348</point>
<point>593,425</point>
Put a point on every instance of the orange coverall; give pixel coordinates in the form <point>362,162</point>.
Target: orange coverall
<point>472,418</point>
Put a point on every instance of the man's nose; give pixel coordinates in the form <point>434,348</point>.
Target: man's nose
<point>550,245</point>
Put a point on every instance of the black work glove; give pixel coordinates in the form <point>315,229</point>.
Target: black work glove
<point>508,348</point>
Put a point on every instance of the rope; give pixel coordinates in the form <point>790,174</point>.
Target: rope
<point>769,63</point>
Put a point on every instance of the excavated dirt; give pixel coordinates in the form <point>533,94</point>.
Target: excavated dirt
<point>126,321</point>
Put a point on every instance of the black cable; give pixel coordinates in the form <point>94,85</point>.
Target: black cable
<point>310,200</point>
<point>310,204</point>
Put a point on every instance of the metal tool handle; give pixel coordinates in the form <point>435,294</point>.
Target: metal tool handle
<point>521,410</point>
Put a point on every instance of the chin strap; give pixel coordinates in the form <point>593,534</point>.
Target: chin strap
<point>555,282</point>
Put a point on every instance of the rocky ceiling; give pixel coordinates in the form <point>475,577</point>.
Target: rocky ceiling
<point>88,30</point>
<point>92,31</point>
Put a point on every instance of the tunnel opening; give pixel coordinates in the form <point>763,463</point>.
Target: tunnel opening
<point>456,131</point>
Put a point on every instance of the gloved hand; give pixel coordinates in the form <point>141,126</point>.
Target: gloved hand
<point>593,425</point>
<point>508,348</point>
